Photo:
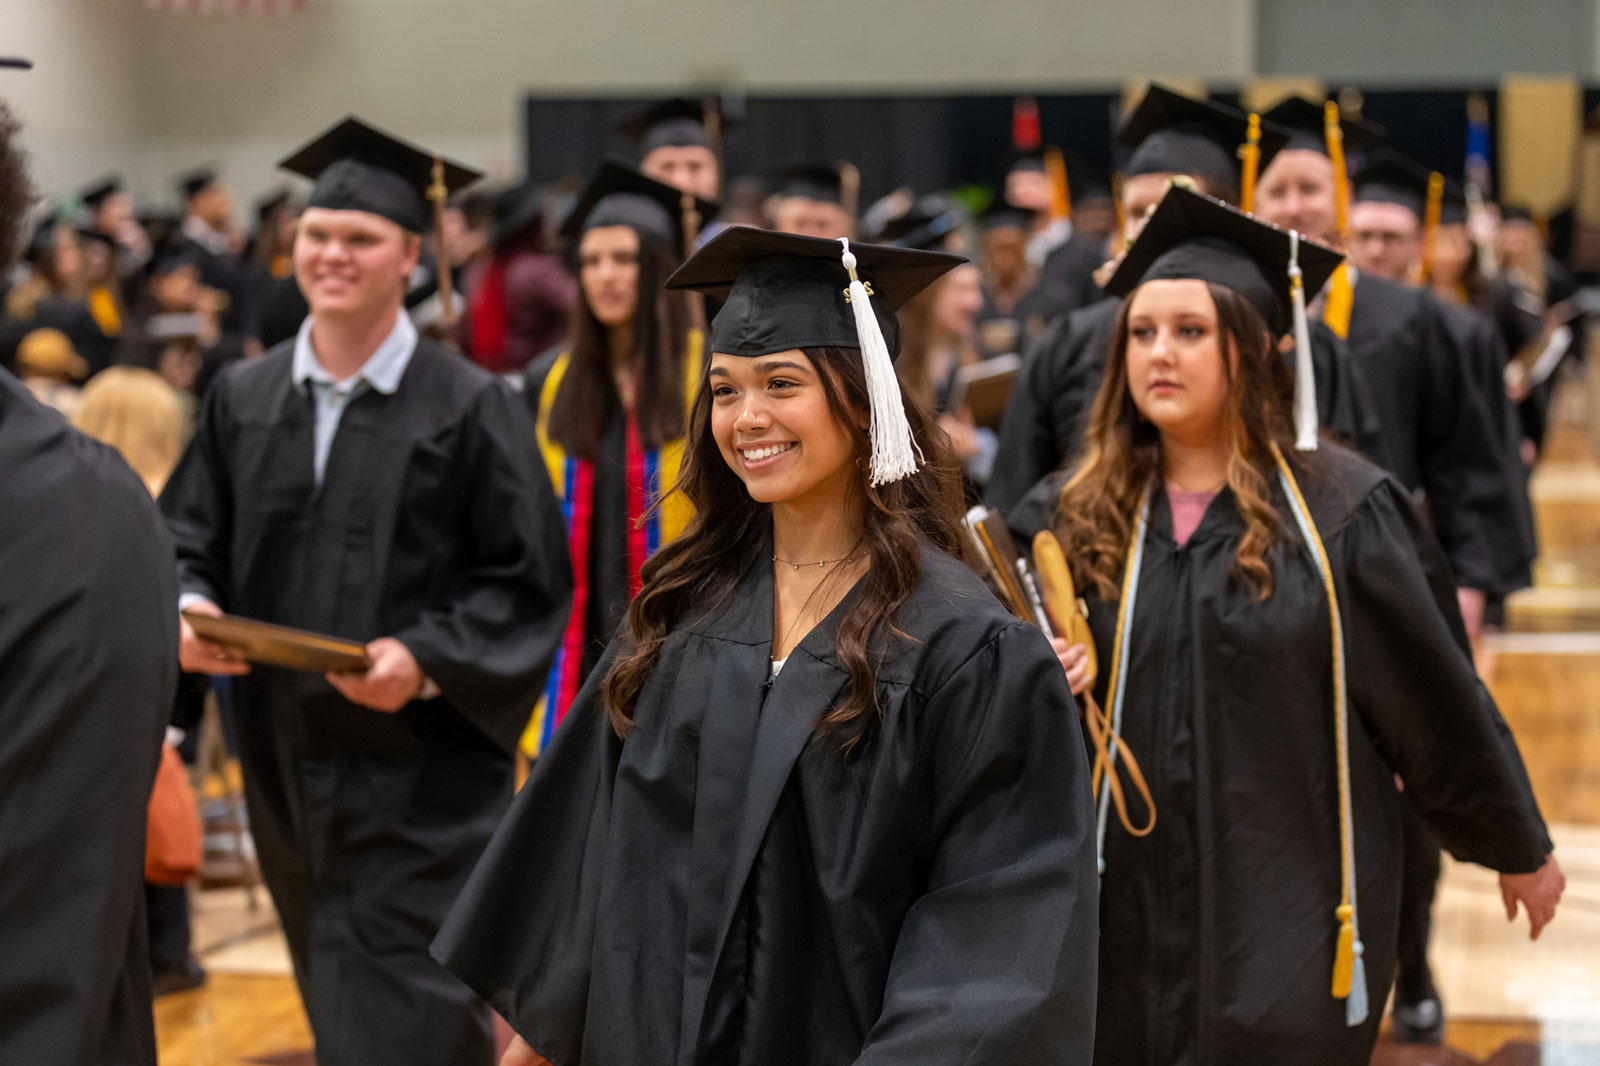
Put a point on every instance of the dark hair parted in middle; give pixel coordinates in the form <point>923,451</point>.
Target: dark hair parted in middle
<point>588,394</point>
<point>732,532</point>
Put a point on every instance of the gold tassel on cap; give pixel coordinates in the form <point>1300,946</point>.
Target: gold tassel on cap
<point>1341,294</point>
<point>439,192</point>
<point>1430,226</point>
<point>1250,153</point>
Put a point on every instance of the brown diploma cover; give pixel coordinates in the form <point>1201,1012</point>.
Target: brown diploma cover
<point>274,645</point>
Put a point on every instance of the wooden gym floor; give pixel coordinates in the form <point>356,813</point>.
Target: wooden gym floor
<point>1510,1003</point>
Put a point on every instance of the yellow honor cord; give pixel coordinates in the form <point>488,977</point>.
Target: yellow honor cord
<point>1349,979</point>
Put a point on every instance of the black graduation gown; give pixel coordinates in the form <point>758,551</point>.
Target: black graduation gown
<point>88,667</point>
<point>1004,332</point>
<point>724,887</point>
<point>1218,930</point>
<point>233,275</point>
<point>1437,433</point>
<point>1066,280</point>
<point>1480,342</point>
<point>435,524</point>
<point>1046,418</point>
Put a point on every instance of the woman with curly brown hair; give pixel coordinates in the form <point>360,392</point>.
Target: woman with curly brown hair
<point>824,802</point>
<point>1281,639</point>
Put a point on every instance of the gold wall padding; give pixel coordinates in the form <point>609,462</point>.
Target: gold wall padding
<point>1541,120</point>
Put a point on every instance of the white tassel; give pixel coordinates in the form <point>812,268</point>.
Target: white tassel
<point>1355,1005</point>
<point>1305,378</point>
<point>895,454</point>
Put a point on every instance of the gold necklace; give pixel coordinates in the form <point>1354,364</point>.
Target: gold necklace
<point>820,562</point>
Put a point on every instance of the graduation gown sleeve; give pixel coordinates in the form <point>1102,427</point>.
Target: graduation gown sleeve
<point>491,639</point>
<point>88,665</point>
<point>500,937</point>
<point>1415,688</point>
<point>198,503</point>
<point>1027,447</point>
<point>995,961</point>
<point>1462,473</point>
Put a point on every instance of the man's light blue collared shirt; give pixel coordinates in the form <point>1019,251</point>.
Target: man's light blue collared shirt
<point>381,372</point>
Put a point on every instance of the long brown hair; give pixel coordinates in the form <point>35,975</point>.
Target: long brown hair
<point>1122,454</point>
<point>730,533</point>
<point>587,396</point>
<point>918,334</point>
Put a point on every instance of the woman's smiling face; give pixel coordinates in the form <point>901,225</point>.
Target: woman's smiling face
<point>775,429</point>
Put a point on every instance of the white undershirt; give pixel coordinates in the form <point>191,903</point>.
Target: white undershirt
<point>777,666</point>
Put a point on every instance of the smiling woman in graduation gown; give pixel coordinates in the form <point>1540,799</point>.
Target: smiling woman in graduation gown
<point>1220,930</point>
<point>735,881</point>
<point>613,461</point>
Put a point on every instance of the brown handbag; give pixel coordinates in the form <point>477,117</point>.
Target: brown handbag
<point>172,845</point>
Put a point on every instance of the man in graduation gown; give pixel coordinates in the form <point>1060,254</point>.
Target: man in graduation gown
<point>1438,439</point>
<point>1169,136</point>
<point>811,201</point>
<point>206,228</point>
<point>1388,241</point>
<point>676,145</point>
<point>1011,314</point>
<point>365,483</point>
<point>1067,277</point>
<point>88,665</point>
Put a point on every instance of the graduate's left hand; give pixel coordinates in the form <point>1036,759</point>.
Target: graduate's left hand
<point>1539,892</point>
<point>392,681</point>
<point>1472,602</point>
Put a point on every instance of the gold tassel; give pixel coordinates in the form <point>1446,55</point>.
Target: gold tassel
<point>1250,152</point>
<point>1344,954</point>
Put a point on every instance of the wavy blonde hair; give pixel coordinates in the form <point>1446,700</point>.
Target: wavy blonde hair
<point>1098,505</point>
<point>139,415</point>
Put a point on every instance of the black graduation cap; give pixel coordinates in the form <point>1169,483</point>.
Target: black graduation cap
<point>1003,214</point>
<point>1306,122</point>
<point>812,181</point>
<point>268,204</point>
<point>192,183</point>
<point>175,255</point>
<point>1191,235</point>
<point>358,167</point>
<point>95,195</point>
<point>1171,133</point>
<point>99,237</point>
<point>514,210</point>
<point>42,240</point>
<point>675,123</point>
<point>619,195</point>
<point>1085,183</point>
<point>1453,209</point>
<point>1391,178</point>
<point>925,225</point>
<point>1026,159</point>
<point>15,63</point>
<point>782,290</point>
